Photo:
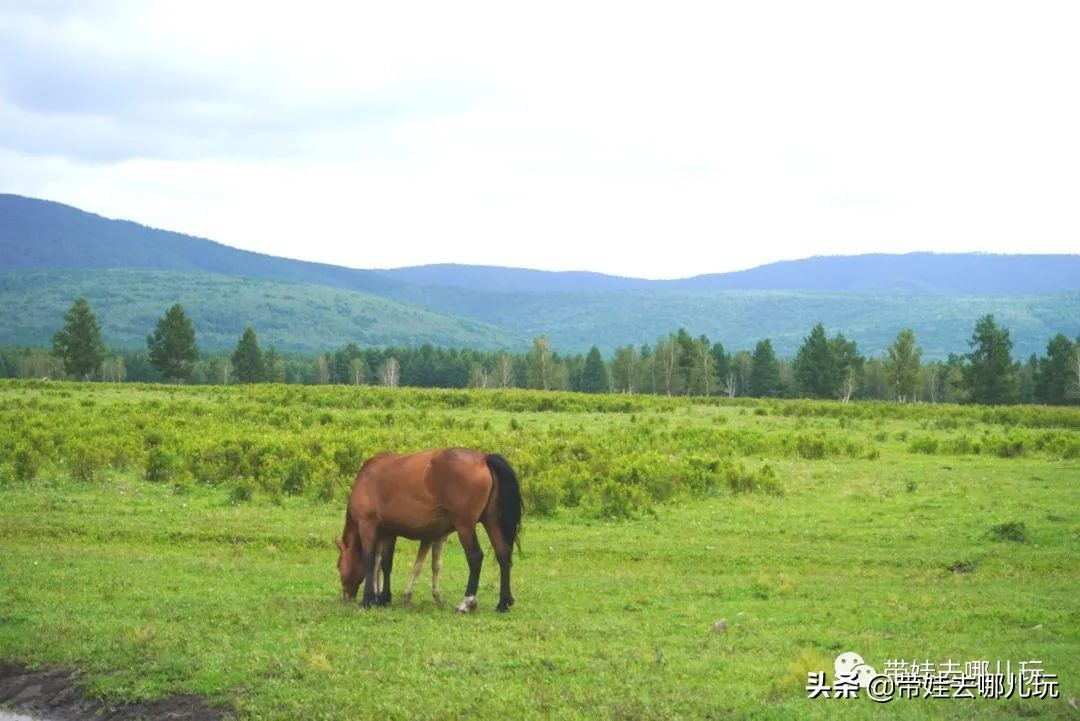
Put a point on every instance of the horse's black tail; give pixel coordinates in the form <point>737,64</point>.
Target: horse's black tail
<point>510,504</point>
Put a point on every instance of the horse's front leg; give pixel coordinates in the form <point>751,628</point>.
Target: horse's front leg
<point>386,549</point>
<point>369,551</point>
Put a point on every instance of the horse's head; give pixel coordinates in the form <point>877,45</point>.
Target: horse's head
<point>351,569</point>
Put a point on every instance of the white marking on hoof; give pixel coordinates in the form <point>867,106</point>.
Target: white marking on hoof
<point>467,605</point>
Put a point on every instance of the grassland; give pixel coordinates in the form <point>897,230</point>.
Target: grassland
<point>170,540</point>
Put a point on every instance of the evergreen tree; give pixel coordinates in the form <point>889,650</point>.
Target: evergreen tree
<point>764,370</point>
<point>247,359</point>
<point>902,366</point>
<point>172,345</point>
<point>683,343</point>
<point>1026,374</point>
<point>274,365</point>
<point>989,376</point>
<point>79,344</point>
<point>594,376</point>
<point>815,365</point>
<point>1052,374</point>
<point>721,363</point>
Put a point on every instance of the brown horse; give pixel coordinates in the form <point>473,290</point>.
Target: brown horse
<point>425,496</point>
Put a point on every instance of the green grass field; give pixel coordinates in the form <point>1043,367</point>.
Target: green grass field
<point>890,531</point>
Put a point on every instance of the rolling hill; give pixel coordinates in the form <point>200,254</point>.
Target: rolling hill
<point>51,253</point>
<point>292,316</point>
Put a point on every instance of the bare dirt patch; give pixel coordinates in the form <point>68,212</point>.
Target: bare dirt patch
<point>55,694</point>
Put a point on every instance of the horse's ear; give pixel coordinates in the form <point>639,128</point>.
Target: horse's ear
<point>340,545</point>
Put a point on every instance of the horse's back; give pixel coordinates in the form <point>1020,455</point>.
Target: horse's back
<point>459,478</point>
<point>424,493</point>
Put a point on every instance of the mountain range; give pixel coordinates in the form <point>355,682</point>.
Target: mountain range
<point>50,253</point>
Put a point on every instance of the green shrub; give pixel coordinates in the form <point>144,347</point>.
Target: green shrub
<point>923,444</point>
<point>741,480</point>
<point>541,496</point>
<point>610,499</point>
<point>810,446</point>
<point>25,463</point>
<point>85,464</point>
<point>159,465</point>
<point>297,477</point>
<point>242,490</point>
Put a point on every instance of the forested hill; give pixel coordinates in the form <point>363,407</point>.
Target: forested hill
<point>42,234</point>
<point>908,274</point>
<point>50,253</point>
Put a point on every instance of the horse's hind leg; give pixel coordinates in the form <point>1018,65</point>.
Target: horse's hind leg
<point>386,550</point>
<point>502,554</point>
<point>416,569</point>
<point>475,556</point>
<point>436,569</point>
<point>378,568</point>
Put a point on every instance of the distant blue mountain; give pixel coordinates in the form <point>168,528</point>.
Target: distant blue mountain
<point>877,273</point>
<point>63,252</point>
<point>42,234</point>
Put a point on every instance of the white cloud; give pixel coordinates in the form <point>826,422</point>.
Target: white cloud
<point>699,138</point>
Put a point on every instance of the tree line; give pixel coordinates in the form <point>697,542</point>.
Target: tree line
<point>676,364</point>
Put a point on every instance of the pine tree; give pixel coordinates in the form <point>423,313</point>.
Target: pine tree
<point>594,376</point>
<point>989,376</point>
<point>764,370</point>
<point>79,344</point>
<point>1052,374</point>
<point>247,359</point>
<point>274,366</point>
<point>721,362</point>
<point>815,366</point>
<point>683,343</point>
<point>902,366</point>
<point>172,345</point>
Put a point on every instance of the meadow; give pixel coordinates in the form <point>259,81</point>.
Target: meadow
<point>168,539</point>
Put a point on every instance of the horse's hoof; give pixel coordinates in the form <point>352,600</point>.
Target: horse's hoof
<point>502,608</point>
<point>438,601</point>
<point>467,605</point>
<point>406,599</point>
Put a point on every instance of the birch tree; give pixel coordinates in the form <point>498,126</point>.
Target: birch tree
<point>540,365</point>
<point>391,372</point>
<point>505,370</point>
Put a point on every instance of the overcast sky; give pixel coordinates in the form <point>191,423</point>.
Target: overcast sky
<point>659,141</point>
